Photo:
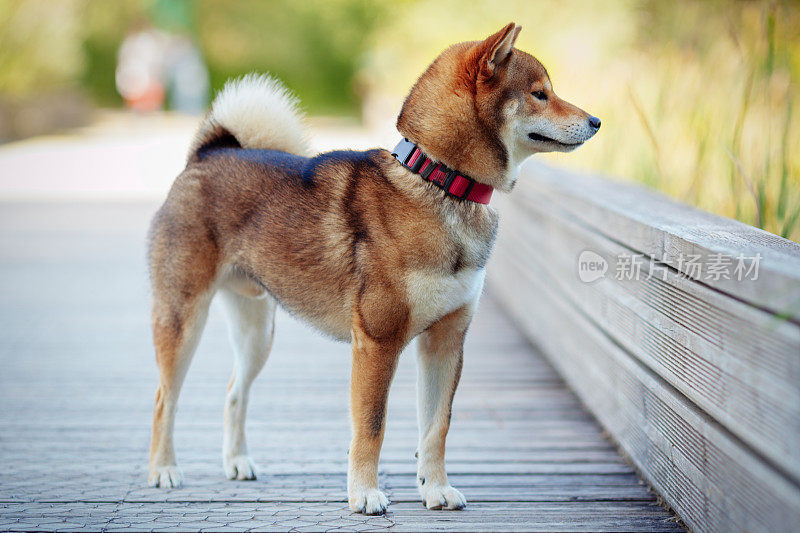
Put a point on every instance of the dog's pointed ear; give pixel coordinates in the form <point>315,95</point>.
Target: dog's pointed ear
<point>497,48</point>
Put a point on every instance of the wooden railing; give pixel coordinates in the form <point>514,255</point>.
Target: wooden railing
<point>680,331</point>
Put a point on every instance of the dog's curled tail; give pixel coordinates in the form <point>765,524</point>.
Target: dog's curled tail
<point>254,111</point>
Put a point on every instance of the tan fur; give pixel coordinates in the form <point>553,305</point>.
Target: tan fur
<point>353,243</point>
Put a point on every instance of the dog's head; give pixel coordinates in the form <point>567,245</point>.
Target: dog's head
<point>483,107</point>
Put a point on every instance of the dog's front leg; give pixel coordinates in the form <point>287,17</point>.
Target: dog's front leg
<point>440,353</point>
<point>374,362</point>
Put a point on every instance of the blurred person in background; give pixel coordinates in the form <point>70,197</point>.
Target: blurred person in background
<point>187,77</point>
<point>153,64</point>
<point>140,69</point>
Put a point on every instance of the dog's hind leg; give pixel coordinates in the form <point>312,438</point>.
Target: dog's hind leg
<point>440,353</point>
<point>184,262</point>
<point>177,325</point>
<point>251,322</point>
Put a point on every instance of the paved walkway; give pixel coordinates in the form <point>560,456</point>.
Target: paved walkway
<point>77,383</point>
<point>126,156</point>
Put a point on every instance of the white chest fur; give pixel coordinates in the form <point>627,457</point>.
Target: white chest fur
<point>433,295</point>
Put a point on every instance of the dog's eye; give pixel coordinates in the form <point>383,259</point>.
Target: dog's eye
<point>540,95</point>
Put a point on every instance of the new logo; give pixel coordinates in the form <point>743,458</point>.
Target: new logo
<point>591,266</point>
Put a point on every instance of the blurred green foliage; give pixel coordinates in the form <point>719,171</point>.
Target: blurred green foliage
<point>316,46</point>
<point>40,46</point>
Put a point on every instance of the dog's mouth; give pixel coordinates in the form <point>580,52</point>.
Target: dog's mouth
<point>542,138</point>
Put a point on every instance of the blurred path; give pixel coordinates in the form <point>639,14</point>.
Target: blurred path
<point>132,157</point>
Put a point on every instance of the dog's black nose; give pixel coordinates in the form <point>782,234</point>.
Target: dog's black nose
<point>594,122</point>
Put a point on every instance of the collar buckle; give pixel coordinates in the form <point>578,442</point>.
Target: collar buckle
<point>403,151</point>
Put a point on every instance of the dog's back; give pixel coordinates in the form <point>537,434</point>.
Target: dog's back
<point>306,230</point>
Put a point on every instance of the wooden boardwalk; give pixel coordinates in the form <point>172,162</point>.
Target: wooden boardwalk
<point>77,383</point>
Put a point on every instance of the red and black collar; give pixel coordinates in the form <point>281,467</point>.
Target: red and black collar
<point>451,181</point>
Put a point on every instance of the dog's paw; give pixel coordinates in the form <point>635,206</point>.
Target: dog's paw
<point>368,501</point>
<point>240,467</point>
<point>442,497</point>
<point>166,477</point>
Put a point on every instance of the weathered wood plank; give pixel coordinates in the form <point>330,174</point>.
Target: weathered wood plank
<point>736,362</point>
<point>710,478</point>
<point>666,230</point>
<point>585,516</point>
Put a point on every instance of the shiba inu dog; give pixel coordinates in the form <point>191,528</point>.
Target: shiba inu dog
<point>375,248</point>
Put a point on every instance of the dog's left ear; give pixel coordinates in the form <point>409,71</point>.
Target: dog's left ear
<point>497,48</point>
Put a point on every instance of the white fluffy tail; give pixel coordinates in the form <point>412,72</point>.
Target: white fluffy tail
<point>260,112</point>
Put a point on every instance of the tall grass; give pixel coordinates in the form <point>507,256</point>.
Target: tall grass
<point>718,125</point>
